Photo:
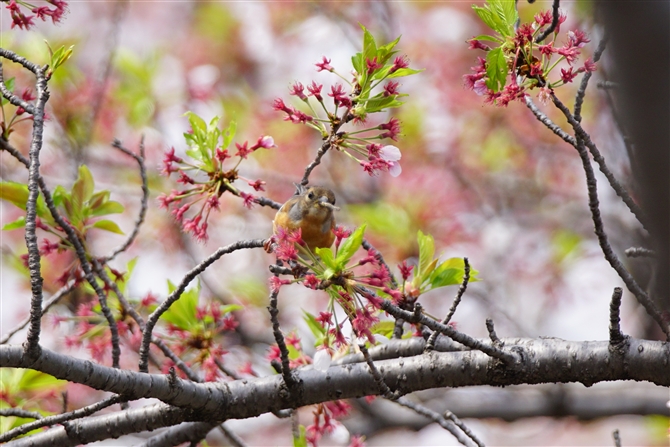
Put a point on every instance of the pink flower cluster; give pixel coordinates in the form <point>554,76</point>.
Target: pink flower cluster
<point>23,21</point>
<point>530,64</point>
<point>373,157</point>
<point>205,194</point>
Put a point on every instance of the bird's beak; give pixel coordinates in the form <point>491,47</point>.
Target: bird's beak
<point>323,201</point>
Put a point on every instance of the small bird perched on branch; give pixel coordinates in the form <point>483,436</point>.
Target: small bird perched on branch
<point>311,210</point>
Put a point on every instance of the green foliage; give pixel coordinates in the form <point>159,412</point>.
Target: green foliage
<point>319,332</point>
<point>58,57</point>
<point>499,15</point>
<point>80,205</point>
<point>204,139</point>
<point>337,264</point>
<point>182,313</point>
<point>367,80</point>
<point>430,273</point>
<point>496,69</point>
<point>21,388</point>
<point>9,84</point>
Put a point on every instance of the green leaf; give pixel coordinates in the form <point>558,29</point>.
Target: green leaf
<point>18,223</point>
<point>499,15</point>
<point>450,272</point>
<point>60,56</point>
<point>32,380</point>
<point>314,326</point>
<point>327,257</point>
<point>110,207</point>
<point>385,52</point>
<point>379,103</point>
<point>488,38</point>
<point>350,246</point>
<point>9,84</point>
<point>369,45</point>
<point>182,313</point>
<point>384,328</point>
<point>83,187</point>
<point>108,225</point>
<point>15,193</point>
<point>197,124</point>
<point>98,199</point>
<point>229,134</point>
<point>358,63</point>
<point>426,253</point>
<point>496,69</point>
<point>401,72</point>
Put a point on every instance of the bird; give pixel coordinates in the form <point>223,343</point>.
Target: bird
<point>310,209</point>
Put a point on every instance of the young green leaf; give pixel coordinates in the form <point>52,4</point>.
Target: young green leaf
<point>110,207</point>
<point>83,187</point>
<point>401,72</point>
<point>314,326</point>
<point>15,193</point>
<point>496,69</point>
<point>350,246</point>
<point>107,225</point>
<point>182,313</point>
<point>18,223</point>
<point>426,253</point>
<point>229,134</point>
<point>450,272</point>
<point>327,257</point>
<point>9,84</point>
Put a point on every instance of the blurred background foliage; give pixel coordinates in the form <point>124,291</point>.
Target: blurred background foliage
<point>488,183</point>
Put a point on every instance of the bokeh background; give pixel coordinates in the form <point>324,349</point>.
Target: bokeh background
<point>488,183</point>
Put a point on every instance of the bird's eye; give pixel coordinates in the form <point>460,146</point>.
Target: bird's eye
<point>310,195</point>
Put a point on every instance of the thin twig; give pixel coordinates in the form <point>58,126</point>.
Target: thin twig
<point>227,371</point>
<point>264,201</point>
<point>279,339</point>
<point>145,197</point>
<point>492,333</point>
<point>60,418</point>
<point>317,160</point>
<point>174,296</point>
<point>130,310</point>
<point>63,291</point>
<point>581,92</point>
<point>420,409</point>
<point>544,119</point>
<point>20,413</point>
<point>594,206</point>
<point>380,258</point>
<point>430,344</point>
<point>640,252</point>
<point>418,317</point>
<point>235,440</point>
<point>614,183</point>
<point>554,22</point>
<point>616,336</point>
